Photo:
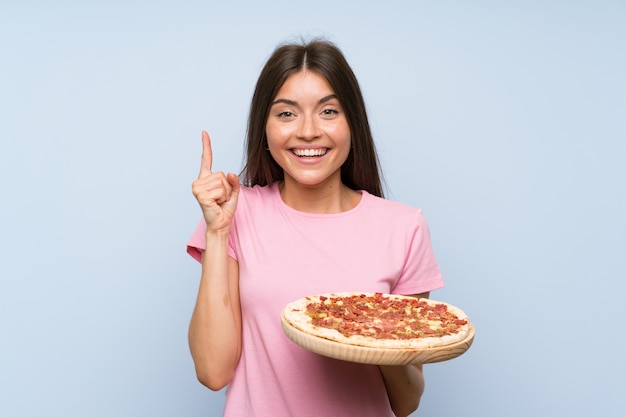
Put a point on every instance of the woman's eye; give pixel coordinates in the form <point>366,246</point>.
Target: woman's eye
<point>285,114</point>
<point>329,112</point>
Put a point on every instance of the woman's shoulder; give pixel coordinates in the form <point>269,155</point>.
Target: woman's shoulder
<point>257,196</point>
<point>391,206</point>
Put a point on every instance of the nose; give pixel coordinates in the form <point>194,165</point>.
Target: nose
<point>308,129</point>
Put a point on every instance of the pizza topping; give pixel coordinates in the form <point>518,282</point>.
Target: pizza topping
<point>383,317</point>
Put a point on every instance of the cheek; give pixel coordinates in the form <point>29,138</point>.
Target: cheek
<point>274,141</point>
<point>271,140</point>
<point>274,133</point>
<point>343,137</point>
<point>342,132</point>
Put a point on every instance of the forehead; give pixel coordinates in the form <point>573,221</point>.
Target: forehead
<point>305,83</point>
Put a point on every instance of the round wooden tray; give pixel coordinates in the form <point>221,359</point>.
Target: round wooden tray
<point>376,356</point>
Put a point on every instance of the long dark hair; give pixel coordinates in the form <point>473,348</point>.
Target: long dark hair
<point>361,170</point>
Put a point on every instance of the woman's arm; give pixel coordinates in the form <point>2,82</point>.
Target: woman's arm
<point>404,384</point>
<point>215,327</point>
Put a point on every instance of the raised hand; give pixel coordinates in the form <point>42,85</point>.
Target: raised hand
<point>216,192</point>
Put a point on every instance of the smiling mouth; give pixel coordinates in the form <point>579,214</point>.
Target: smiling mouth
<point>310,153</point>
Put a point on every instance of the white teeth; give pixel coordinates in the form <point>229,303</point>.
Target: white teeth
<point>309,152</point>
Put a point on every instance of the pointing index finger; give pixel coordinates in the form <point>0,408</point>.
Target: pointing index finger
<point>207,155</point>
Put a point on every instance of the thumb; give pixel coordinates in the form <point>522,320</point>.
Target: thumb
<point>233,180</point>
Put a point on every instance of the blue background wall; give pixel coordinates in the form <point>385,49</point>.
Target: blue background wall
<point>504,120</point>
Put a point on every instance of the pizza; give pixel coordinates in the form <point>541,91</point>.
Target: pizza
<point>379,320</point>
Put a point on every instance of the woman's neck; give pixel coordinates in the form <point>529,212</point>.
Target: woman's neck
<point>326,198</point>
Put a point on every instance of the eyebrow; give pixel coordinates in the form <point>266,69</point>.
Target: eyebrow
<point>295,103</point>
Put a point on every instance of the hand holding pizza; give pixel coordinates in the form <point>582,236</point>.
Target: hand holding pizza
<point>216,192</point>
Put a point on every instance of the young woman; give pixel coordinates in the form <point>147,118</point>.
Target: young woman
<point>309,218</point>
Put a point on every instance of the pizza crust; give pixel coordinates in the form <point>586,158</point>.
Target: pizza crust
<point>295,315</point>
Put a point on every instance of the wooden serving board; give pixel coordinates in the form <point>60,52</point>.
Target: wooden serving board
<point>376,356</point>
